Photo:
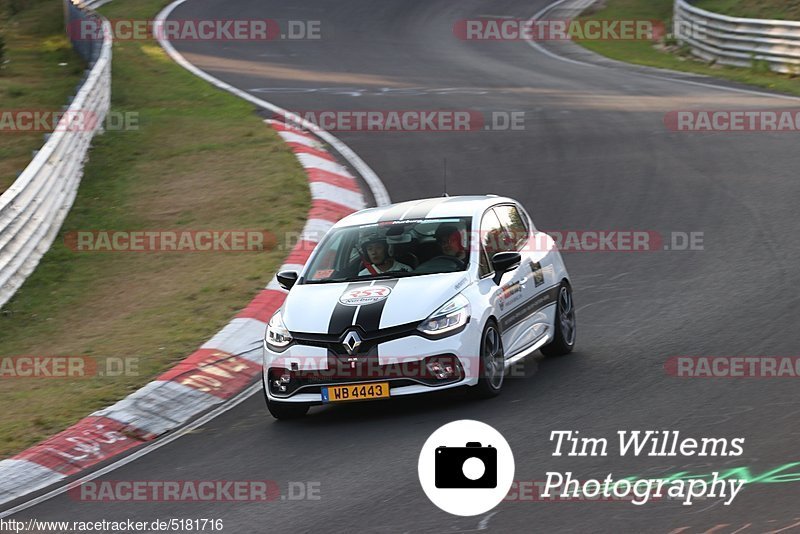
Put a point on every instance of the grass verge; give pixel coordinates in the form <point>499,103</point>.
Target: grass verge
<point>200,159</point>
<point>38,71</point>
<point>673,57</point>
<point>755,9</point>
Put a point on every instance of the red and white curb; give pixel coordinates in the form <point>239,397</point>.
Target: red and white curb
<point>224,366</point>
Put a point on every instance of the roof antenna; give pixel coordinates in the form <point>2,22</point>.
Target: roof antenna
<point>445,179</point>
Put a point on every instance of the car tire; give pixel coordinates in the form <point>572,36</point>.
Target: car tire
<point>491,368</point>
<point>565,330</point>
<point>285,410</point>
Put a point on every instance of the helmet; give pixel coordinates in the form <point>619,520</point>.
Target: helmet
<point>369,238</point>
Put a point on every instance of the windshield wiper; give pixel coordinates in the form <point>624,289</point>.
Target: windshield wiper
<point>327,281</point>
<point>365,278</point>
<point>381,276</point>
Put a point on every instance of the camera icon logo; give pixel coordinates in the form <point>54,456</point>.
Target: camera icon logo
<point>462,476</point>
<point>472,466</point>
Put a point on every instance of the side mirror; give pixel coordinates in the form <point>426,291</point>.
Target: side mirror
<point>286,279</point>
<point>503,262</point>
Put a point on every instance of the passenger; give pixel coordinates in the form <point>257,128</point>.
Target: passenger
<point>449,238</point>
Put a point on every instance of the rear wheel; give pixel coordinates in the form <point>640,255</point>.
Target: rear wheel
<point>492,363</point>
<point>285,410</point>
<point>565,324</point>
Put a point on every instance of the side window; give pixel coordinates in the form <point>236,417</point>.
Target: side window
<point>492,238</point>
<point>515,225</point>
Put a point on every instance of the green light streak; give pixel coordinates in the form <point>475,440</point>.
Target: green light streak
<point>740,473</point>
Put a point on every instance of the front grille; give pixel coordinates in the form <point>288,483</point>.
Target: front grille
<point>341,371</point>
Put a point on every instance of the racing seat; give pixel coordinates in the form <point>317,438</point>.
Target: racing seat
<point>409,258</point>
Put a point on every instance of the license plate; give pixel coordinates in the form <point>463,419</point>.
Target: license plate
<point>352,392</point>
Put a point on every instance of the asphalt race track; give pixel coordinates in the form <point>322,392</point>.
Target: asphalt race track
<point>594,155</point>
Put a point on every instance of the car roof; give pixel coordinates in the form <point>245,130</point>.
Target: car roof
<point>431,208</point>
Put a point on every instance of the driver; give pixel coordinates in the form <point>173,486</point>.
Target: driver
<point>449,238</point>
<point>376,250</point>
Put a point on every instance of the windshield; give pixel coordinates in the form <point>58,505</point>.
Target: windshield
<point>391,249</point>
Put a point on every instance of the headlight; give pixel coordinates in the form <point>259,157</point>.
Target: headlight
<point>449,317</point>
<point>277,336</point>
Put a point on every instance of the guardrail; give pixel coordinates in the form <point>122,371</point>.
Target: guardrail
<point>95,4</point>
<point>34,207</point>
<point>738,41</point>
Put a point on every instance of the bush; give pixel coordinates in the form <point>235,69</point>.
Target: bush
<point>760,66</point>
<point>684,50</point>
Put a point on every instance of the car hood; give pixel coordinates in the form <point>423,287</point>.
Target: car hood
<point>331,308</point>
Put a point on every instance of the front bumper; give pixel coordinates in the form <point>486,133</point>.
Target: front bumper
<point>309,365</point>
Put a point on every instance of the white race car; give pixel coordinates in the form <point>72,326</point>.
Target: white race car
<point>417,297</point>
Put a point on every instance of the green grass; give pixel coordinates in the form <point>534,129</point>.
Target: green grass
<point>38,70</point>
<point>201,159</point>
<point>674,57</point>
<point>757,9</point>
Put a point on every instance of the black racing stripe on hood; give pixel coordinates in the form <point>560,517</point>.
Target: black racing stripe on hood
<point>342,316</point>
<point>369,316</point>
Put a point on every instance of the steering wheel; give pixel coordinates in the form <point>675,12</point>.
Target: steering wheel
<point>458,263</point>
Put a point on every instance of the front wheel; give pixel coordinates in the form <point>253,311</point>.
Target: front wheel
<point>565,325</point>
<point>492,363</point>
